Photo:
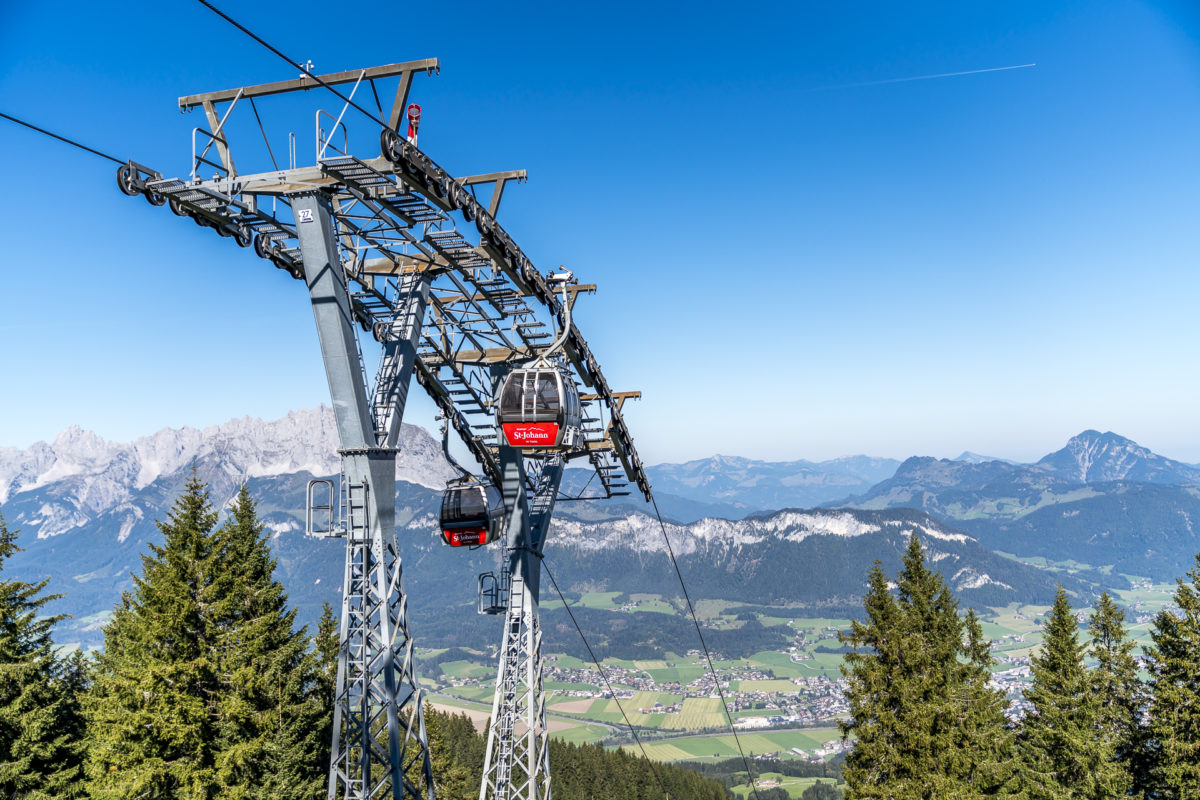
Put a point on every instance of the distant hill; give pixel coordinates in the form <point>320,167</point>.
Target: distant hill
<point>1139,528</point>
<point>976,458</point>
<point>746,485</point>
<point>1101,500</point>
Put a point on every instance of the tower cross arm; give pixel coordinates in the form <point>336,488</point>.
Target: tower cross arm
<point>304,82</point>
<point>493,177</point>
<point>498,178</point>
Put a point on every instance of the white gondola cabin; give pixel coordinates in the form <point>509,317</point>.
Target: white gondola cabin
<point>539,408</point>
<point>472,514</point>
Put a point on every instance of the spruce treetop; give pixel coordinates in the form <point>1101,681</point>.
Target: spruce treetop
<point>926,722</point>
<point>39,721</point>
<point>1064,752</point>
<point>1174,662</point>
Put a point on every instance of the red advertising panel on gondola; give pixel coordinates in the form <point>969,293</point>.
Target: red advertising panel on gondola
<point>531,434</point>
<point>466,537</point>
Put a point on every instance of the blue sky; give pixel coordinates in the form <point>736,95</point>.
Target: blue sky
<point>791,264</point>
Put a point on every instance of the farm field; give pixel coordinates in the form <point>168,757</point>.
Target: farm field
<point>767,686</point>
<point>568,730</point>
<point>697,713</point>
<point>769,780</point>
<point>717,746</point>
<point>682,673</point>
<point>654,603</point>
<point>828,665</point>
<point>562,686</point>
<point>598,600</point>
<point>465,669</point>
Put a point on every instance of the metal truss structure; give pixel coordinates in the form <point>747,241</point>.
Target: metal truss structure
<point>516,761</point>
<point>393,247</point>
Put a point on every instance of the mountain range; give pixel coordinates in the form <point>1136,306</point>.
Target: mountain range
<point>80,479</point>
<point>86,509</point>
<point>747,485</point>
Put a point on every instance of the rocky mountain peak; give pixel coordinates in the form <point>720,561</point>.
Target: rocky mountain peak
<point>1095,457</point>
<point>969,457</point>
<point>101,475</point>
<point>719,462</point>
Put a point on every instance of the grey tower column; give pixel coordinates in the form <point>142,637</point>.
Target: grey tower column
<point>516,763</point>
<point>378,731</point>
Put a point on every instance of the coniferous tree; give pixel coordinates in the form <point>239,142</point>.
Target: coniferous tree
<point>1063,754</point>
<point>270,715</point>
<point>454,780</point>
<point>986,737</point>
<point>1121,694</point>
<point>325,647</point>
<point>40,730</point>
<point>151,714</point>
<point>821,791</point>
<point>926,722</point>
<point>325,643</point>
<point>874,699</point>
<point>74,682</point>
<point>1174,728</point>
<point>204,688</point>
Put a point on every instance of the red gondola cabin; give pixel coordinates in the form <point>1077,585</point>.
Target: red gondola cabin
<point>539,408</point>
<point>472,514</point>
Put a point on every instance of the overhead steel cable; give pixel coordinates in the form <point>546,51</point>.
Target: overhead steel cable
<point>604,677</point>
<point>71,142</point>
<point>303,69</point>
<point>707,656</point>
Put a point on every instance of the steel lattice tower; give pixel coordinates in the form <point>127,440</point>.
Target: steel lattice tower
<point>379,732</point>
<point>517,761</point>
<point>517,764</point>
<point>380,252</point>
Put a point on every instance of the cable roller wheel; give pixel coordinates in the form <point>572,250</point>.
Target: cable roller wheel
<point>389,145</point>
<point>127,180</point>
<point>262,245</point>
<point>407,162</point>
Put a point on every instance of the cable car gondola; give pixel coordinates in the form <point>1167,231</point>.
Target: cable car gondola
<point>472,514</point>
<point>538,405</point>
<point>472,510</point>
<point>539,408</point>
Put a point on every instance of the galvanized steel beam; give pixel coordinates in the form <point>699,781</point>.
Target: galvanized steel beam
<point>304,82</point>
<point>377,696</point>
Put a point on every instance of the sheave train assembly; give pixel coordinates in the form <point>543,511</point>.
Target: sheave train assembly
<point>392,246</point>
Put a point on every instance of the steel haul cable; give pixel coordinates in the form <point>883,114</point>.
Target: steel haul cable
<point>71,142</point>
<point>707,656</point>
<point>295,64</point>
<point>604,677</point>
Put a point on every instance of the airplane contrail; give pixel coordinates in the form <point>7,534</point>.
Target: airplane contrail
<point>922,77</point>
